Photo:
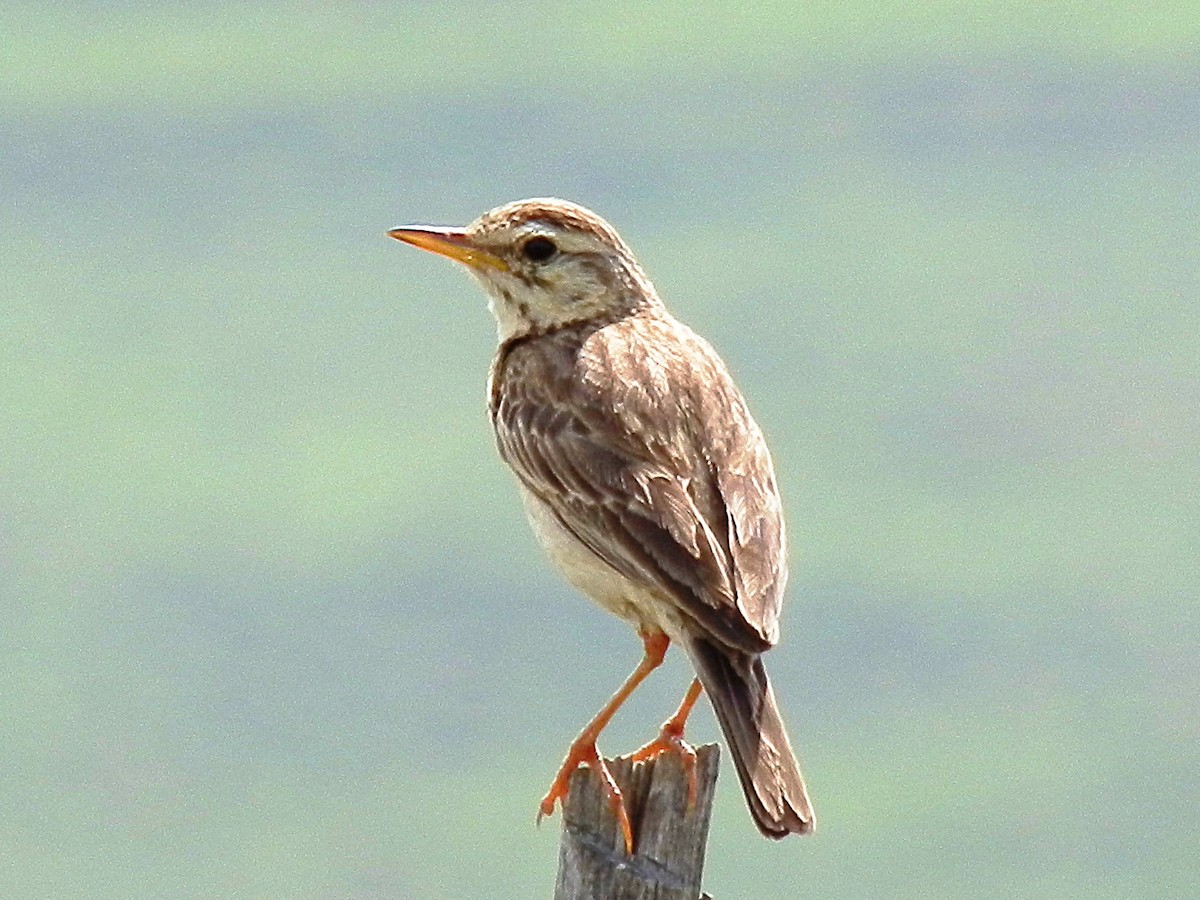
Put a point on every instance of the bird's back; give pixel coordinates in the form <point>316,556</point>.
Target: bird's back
<point>635,434</point>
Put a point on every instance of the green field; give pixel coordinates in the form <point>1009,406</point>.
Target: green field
<point>273,623</point>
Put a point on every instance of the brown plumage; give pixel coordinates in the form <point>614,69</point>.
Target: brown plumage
<point>644,475</point>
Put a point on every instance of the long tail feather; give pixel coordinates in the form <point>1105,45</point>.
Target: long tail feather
<point>740,692</point>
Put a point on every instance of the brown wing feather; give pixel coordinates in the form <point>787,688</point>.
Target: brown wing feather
<point>636,437</point>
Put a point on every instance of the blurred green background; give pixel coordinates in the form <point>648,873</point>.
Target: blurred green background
<point>272,622</point>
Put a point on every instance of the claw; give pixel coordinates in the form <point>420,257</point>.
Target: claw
<point>586,754</point>
<point>671,741</point>
<point>583,751</point>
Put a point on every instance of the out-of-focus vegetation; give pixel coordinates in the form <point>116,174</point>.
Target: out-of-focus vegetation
<point>273,623</point>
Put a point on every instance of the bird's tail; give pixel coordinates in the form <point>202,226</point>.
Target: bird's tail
<point>740,692</point>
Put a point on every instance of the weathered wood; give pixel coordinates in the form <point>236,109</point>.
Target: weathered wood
<point>669,838</point>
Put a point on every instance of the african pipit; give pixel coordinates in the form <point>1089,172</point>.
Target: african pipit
<point>643,475</point>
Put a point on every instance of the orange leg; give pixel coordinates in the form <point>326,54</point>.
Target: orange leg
<point>583,750</point>
<point>670,740</point>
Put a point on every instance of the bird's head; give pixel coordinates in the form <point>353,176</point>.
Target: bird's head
<point>544,263</point>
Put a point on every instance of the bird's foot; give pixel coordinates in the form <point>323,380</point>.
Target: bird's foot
<point>670,740</point>
<point>584,753</point>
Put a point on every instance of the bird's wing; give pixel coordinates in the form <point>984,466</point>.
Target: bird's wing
<point>644,450</point>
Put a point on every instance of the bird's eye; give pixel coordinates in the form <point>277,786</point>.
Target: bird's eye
<point>539,249</point>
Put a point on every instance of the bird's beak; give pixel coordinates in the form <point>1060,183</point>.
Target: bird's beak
<point>452,242</point>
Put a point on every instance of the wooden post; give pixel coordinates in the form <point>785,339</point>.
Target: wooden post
<point>668,838</point>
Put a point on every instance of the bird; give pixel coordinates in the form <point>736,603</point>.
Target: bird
<point>645,479</point>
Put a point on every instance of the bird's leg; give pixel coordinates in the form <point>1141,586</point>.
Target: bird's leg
<point>583,750</point>
<point>670,740</point>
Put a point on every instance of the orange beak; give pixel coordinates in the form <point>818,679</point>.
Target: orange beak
<point>451,242</point>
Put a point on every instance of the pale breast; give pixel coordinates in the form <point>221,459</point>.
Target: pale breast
<point>588,573</point>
